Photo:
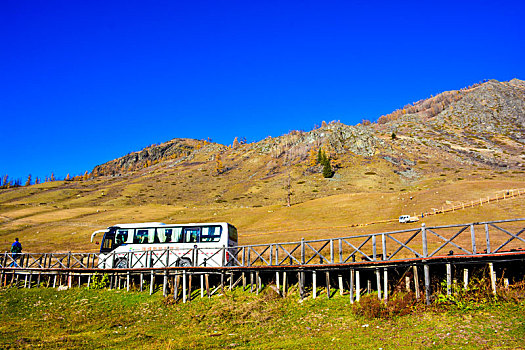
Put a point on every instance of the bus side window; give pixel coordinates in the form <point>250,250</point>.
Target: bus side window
<point>121,237</point>
<point>167,235</point>
<point>163,235</point>
<point>141,237</point>
<point>191,235</point>
<point>211,234</point>
<point>177,235</point>
<point>153,236</point>
<point>130,236</point>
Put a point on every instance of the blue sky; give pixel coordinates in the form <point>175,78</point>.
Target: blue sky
<point>84,82</point>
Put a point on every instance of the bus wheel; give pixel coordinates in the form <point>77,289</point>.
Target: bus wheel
<point>121,263</point>
<point>184,262</point>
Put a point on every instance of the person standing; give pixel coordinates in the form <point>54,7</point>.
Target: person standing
<point>16,249</point>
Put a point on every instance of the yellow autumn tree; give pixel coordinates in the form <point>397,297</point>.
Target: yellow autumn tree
<point>312,157</point>
<point>28,182</point>
<point>219,167</point>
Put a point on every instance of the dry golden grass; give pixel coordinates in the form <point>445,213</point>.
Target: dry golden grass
<point>64,227</point>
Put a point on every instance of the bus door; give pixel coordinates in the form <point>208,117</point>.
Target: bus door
<point>108,242</point>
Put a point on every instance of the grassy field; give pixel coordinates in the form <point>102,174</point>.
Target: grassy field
<point>81,318</point>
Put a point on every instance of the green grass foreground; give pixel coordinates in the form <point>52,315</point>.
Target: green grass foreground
<point>81,318</point>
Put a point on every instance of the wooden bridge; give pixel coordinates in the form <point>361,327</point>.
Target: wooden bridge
<point>378,261</point>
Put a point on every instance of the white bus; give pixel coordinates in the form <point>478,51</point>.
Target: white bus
<point>155,244</point>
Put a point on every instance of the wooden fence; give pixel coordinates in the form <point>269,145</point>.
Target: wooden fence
<point>471,239</point>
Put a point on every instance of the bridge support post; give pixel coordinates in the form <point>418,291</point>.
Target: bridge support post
<point>207,280</point>
<point>492,278</point>
<point>314,284</point>
<point>141,280</point>
<point>427,283</point>
<point>127,281</point>
<point>378,282</point>
<point>301,284</point>
<point>164,284</point>
<point>449,279</point>
<point>285,284</point>
<point>277,282</point>
<point>341,286</point>
<point>189,286</point>
<point>352,273</point>
<point>176,287</point>
<point>416,282</point>
<point>202,286</point>
<point>385,284</point>
<point>327,273</point>
<point>152,283</point>
<point>222,281</point>
<point>465,278</point>
<point>184,286</point>
<point>357,285</point>
<point>257,282</point>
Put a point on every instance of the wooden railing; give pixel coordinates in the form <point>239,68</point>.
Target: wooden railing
<point>482,238</point>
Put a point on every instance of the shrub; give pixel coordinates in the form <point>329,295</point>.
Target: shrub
<point>99,281</point>
<point>399,304</point>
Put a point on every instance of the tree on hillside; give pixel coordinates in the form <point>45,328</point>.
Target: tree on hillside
<point>219,168</point>
<point>327,169</point>
<point>28,181</point>
<point>288,188</point>
<point>4,181</point>
<point>52,178</point>
<point>320,156</point>
<point>235,143</point>
<point>312,157</point>
<point>37,180</point>
<point>68,178</point>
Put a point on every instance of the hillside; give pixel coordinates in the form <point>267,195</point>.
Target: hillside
<point>456,146</point>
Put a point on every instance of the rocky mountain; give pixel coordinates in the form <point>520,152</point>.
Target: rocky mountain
<point>455,135</point>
